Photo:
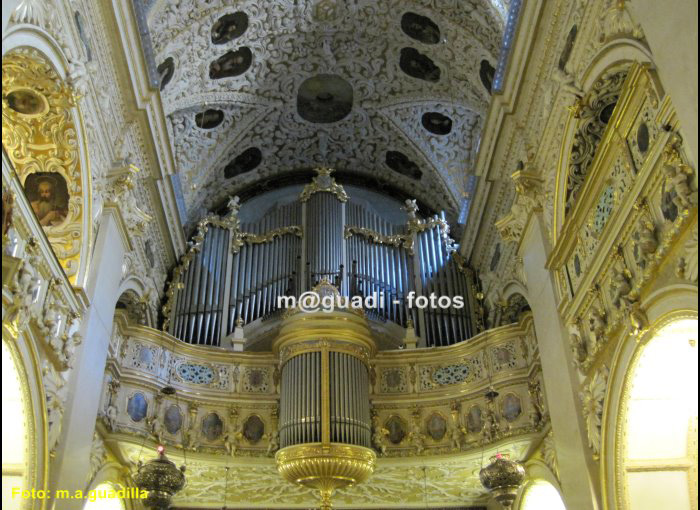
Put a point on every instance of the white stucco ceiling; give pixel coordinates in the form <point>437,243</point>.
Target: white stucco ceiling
<point>360,42</point>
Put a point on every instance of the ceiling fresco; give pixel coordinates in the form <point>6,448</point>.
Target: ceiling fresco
<point>392,90</point>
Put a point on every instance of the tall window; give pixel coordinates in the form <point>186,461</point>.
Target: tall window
<point>104,498</point>
<point>541,495</point>
<point>14,433</point>
<point>660,446</point>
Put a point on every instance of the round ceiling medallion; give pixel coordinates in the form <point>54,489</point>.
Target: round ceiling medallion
<point>437,123</point>
<point>228,27</point>
<point>27,102</point>
<point>246,161</point>
<point>415,64</point>
<point>208,119</point>
<point>420,28</point>
<point>324,98</point>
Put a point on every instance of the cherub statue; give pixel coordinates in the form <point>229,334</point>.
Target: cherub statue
<point>491,430</point>
<point>678,177</point>
<point>416,436</point>
<point>621,289</point>
<point>234,433</point>
<point>155,428</point>
<point>458,432</point>
<point>538,412</point>
<point>379,435</point>
<point>579,348</point>
<point>411,209</point>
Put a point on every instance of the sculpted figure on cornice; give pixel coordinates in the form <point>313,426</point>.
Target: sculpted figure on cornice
<point>687,265</point>
<point>111,411</point>
<point>528,199</point>
<point>379,434</point>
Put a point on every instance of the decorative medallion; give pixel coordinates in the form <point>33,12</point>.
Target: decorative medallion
<point>208,119</point>
<point>253,428</point>
<point>172,419</point>
<point>166,70</point>
<point>137,407</point>
<point>511,407</point>
<point>27,102</point>
<point>400,163</point>
<point>212,427</point>
<point>436,426</point>
<point>397,429</point>
<point>421,28</point>
<point>324,98</point>
<point>437,123</point>
<point>486,74</point>
<point>232,63</point>
<point>417,65</point>
<point>195,373</point>
<point>451,374</point>
<point>229,27</point>
<point>474,420</point>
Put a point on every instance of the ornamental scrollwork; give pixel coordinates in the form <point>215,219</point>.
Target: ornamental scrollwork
<point>41,139</point>
<point>592,400</point>
<point>323,182</point>
<point>594,112</point>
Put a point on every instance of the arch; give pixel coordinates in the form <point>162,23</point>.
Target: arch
<point>20,360</point>
<point>615,53</point>
<point>540,494</point>
<point>664,306</point>
<point>132,299</point>
<point>41,67</point>
<point>111,473</point>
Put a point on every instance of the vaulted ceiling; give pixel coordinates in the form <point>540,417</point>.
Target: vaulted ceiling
<point>391,91</point>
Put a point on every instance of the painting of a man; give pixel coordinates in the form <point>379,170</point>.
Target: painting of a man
<point>48,197</point>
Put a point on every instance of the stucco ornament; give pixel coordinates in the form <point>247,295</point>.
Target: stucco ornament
<point>592,400</point>
<point>360,43</point>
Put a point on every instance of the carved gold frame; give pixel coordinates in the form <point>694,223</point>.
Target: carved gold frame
<point>54,141</point>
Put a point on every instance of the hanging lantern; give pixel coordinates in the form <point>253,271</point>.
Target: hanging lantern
<point>502,478</point>
<point>161,478</point>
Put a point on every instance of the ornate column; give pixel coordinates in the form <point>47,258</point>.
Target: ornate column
<point>71,467</point>
<point>524,225</point>
<point>578,472</point>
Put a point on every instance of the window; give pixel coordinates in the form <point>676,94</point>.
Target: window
<point>660,444</point>
<point>541,495</point>
<point>104,497</point>
<point>14,432</point>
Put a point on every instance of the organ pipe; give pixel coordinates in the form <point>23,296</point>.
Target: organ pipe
<point>235,272</point>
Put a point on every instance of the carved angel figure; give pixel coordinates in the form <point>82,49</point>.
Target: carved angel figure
<point>379,435</point>
<point>491,430</point>
<point>457,435</point>
<point>24,289</point>
<point>621,289</point>
<point>678,177</point>
<point>579,349</point>
<point>597,322</point>
<point>110,417</point>
<point>416,436</point>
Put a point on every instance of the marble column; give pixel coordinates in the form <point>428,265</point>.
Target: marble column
<point>577,469</point>
<point>71,467</point>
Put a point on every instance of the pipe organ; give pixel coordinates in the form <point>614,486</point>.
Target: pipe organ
<point>325,424</point>
<point>233,273</point>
